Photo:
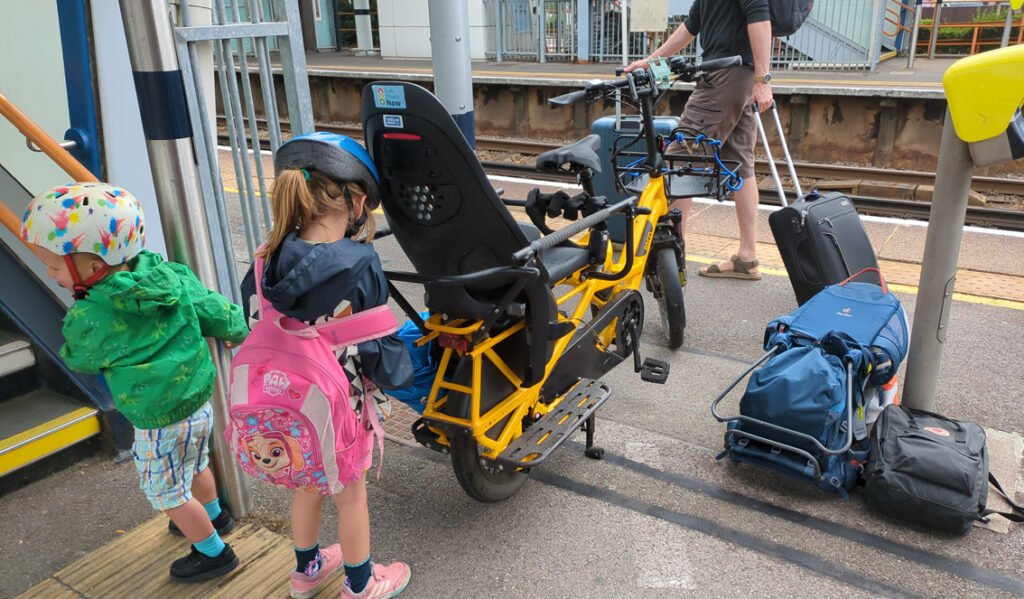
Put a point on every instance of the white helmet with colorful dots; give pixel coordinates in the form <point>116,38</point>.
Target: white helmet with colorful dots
<point>95,218</point>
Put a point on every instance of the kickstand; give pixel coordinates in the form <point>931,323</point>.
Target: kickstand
<point>595,453</point>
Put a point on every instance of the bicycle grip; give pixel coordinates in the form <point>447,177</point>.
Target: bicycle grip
<point>567,99</point>
<point>721,63</point>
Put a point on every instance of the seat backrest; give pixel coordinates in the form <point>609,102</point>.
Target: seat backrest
<point>439,203</point>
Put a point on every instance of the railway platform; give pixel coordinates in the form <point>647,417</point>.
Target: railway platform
<point>892,79</point>
<point>681,523</point>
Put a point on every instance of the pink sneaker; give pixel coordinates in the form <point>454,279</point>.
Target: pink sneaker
<point>386,581</point>
<point>304,587</point>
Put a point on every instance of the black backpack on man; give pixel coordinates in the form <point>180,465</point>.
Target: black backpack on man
<point>788,15</point>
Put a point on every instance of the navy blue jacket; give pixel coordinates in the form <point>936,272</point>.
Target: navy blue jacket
<point>309,281</point>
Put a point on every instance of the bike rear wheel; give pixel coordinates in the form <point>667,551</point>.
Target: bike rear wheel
<point>479,479</point>
<point>670,300</point>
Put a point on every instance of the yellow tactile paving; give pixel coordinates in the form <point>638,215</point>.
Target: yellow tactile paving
<point>708,248</point>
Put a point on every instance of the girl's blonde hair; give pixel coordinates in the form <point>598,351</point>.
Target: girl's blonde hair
<point>296,201</point>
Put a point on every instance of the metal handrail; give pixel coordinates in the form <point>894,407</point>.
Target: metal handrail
<point>34,134</point>
<point>47,144</point>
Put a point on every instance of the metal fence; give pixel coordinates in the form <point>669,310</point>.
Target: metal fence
<point>234,30</point>
<point>844,34</point>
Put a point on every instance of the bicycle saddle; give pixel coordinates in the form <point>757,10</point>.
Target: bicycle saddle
<point>578,155</point>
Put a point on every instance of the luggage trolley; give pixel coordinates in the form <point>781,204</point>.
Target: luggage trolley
<point>860,325</point>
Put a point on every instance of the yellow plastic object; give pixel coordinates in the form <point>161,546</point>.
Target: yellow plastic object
<point>1016,4</point>
<point>985,91</point>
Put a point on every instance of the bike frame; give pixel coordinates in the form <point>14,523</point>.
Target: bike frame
<point>587,287</point>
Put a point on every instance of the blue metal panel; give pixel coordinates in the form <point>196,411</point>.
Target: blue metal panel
<point>74,38</point>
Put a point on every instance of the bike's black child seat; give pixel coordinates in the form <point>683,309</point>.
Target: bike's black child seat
<point>439,203</point>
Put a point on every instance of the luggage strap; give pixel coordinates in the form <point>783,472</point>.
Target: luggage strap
<point>1017,515</point>
<point>881,277</point>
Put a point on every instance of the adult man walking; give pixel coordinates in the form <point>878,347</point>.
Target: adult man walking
<point>720,106</point>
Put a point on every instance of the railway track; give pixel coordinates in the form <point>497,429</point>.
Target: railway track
<point>977,216</point>
<point>983,217</point>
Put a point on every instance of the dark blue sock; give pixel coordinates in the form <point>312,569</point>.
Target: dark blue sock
<point>358,575</point>
<point>307,561</point>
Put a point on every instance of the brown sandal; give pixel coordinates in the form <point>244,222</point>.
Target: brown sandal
<point>741,270</point>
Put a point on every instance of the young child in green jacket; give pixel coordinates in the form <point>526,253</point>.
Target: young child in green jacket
<point>141,323</point>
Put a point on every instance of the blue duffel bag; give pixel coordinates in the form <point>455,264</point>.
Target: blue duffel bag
<point>423,364</point>
<point>797,418</point>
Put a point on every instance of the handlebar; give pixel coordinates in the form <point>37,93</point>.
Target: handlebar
<point>551,240</point>
<point>569,98</point>
<point>708,65</point>
<point>684,68</point>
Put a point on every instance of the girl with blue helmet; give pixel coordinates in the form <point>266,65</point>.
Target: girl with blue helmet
<point>319,265</point>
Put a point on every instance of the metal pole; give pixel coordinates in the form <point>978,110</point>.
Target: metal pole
<point>1009,26</point>
<point>935,29</point>
<point>625,32</point>
<point>938,268</point>
<point>499,35</point>
<point>161,94</point>
<point>583,30</point>
<point>364,31</point>
<point>453,69</point>
<point>876,35</point>
<point>542,32</point>
<point>918,9</point>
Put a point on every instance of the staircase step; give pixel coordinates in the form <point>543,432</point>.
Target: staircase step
<point>554,428</point>
<point>39,424</point>
<point>15,354</point>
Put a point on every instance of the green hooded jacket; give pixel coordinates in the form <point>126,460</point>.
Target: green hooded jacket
<point>144,330</point>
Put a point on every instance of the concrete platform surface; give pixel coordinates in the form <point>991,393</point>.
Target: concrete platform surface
<point>892,79</point>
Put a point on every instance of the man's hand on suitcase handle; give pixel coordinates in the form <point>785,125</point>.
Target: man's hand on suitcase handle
<point>762,96</point>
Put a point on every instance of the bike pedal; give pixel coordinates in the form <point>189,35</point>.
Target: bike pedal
<point>654,371</point>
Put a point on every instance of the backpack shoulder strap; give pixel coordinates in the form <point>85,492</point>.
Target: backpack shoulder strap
<point>362,326</point>
<point>1017,513</point>
<point>267,311</point>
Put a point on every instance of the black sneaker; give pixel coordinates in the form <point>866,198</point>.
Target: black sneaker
<point>196,567</point>
<point>223,523</point>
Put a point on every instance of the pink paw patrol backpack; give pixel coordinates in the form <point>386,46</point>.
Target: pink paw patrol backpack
<point>291,423</point>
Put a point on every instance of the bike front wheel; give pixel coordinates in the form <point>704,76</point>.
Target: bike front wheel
<point>670,300</point>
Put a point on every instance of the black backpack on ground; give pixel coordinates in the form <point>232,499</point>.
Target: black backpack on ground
<point>788,15</point>
<point>930,470</point>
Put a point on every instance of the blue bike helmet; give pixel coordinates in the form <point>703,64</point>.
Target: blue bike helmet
<point>339,157</point>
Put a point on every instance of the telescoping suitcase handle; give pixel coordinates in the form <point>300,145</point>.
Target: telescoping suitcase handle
<point>785,151</point>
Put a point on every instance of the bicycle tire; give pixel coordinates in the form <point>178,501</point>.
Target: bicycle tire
<point>486,485</point>
<point>670,300</point>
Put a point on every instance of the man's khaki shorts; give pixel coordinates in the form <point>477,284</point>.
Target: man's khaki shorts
<point>721,108</point>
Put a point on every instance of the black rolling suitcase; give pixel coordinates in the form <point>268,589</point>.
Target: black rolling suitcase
<point>822,242</point>
<point>820,237</point>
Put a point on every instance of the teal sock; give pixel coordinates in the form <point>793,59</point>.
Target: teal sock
<point>358,575</point>
<point>211,546</point>
<point>212,508</point>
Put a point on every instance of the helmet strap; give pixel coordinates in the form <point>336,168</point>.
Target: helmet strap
<point>80,288</point>
<point>354,225</point>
